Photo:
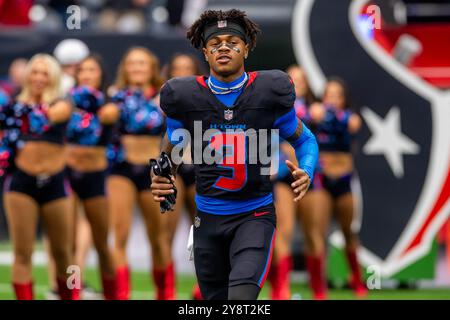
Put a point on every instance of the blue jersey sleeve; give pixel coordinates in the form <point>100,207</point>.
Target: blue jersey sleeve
<point>172,125</point>
<point>305,145</point>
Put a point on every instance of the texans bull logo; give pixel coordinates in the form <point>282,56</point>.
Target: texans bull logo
<point>403,164</point>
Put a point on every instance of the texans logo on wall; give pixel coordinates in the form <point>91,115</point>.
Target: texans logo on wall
<point>403,163</point>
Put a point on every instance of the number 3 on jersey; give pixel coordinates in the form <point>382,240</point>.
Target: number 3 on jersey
<point>234,148</point>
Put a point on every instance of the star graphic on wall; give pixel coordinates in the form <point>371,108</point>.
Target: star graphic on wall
<point>387,139</point>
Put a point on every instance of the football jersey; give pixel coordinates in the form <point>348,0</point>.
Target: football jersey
<point>267,96</point>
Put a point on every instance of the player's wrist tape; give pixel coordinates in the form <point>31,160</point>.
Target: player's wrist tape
<point>163,167</point>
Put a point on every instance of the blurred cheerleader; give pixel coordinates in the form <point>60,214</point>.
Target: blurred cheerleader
<point>334,125</point>
<point>89,131</point>
<point>37,188</point>
<point>141,126</point>
<point>282,263</point>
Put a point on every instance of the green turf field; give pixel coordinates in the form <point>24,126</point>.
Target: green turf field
<point>143,289</point>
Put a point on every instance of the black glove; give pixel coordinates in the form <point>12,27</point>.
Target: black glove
<point>163,168</point>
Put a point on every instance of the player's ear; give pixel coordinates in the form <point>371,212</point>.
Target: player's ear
<point>205,53</point>
<point>247,50</point>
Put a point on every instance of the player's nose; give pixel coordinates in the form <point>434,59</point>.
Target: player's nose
<point>223,47</point>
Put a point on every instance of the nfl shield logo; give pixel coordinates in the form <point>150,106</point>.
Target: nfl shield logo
<point>222,24</point>
<point>228,114</point>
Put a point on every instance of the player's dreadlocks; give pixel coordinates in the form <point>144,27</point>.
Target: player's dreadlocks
<point>195,32</point>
